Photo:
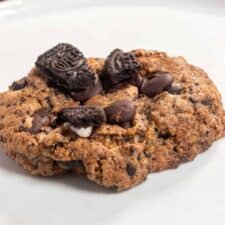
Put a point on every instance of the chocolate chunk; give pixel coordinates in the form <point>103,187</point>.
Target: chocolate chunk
<point>132,150</point>
<point>206,102</point>
<point>114,188</point>
<point>119,66</point>
<point>126,125</point>
<point>120,112</point>
<point>19,84</point>
<point>82,116</point>
<point>131,170</point>
<point>164,135</point>
<point>135,82</point>
<point>157,83</point>
<point>40,119</point>
<point>70,164</point>
<point>138,81</point>
<point>2,139</point>
<point>174,90</point>
<point>86,94</point>
<point>175,149</point>
<point>65,67</point>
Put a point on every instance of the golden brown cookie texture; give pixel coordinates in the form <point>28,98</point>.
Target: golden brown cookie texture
<point>166,128</point>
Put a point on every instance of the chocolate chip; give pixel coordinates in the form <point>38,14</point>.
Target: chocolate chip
<point>120,112</point>
<point>206,101</point>
<point>175,149</point>
<point>86,94</point>
<point>66,68</point>
<point>70,164</point>
<point>158,82</point>
<point>135,82</point>
<point>82,116</point>
<point>126,125</point>
<point>193,100</point>
<point>127,138</point>
<point>119,66</point>
<point>17,85</point>
<point>132,150</point>
<point>2,139</point>
<point>138,81</point>
<point>164,135</point>
<point>114,188</point>
<point>40,119</point>
<point>174,90</point>
<point>131,170</point>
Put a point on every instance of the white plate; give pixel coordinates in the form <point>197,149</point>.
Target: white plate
<point>192,194</point>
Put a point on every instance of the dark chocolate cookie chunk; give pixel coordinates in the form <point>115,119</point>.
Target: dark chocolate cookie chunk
<point>120,112</point>
<point>157,83</point>
<point>119,66</point>
<point>66,68</point>
<point>174,90</point>
<point>70,164</point>
<point>86,94</point>
<point>131,170</point>
<point>40,119</point>
<point>83,116</point>
<point>19,84</point>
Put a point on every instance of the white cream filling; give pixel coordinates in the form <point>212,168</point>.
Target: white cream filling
<point>83,131</point>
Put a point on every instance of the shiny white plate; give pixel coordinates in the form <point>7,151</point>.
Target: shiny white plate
<point>192,194</point>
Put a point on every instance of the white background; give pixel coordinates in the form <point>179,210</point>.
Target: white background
<point>193,193</point>
<point>31,7</point>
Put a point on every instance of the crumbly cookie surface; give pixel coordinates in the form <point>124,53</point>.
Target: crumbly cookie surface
<point>168,129</point>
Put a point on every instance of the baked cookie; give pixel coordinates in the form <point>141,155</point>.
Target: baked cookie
<point>114,120</point>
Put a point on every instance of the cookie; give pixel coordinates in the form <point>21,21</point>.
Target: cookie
<point>114,120</point>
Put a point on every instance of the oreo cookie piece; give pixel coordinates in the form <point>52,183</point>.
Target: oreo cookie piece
<point>119,67</point>
<point>82,119</point>
<point>66,68</point>
<point>174,90</point>
<point>88,93</point>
